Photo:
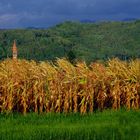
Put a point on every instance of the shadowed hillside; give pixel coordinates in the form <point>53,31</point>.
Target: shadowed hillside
<point>75,40</point>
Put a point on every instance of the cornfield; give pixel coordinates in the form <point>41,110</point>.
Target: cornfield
<point>28,86</point>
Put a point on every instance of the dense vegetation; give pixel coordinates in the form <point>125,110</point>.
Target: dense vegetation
<point>108,125</point>
<point>63,87</point>
<point>75,40</point>
<point>31,86</point>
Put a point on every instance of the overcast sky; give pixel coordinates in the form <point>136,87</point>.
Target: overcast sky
<point>45,13</point>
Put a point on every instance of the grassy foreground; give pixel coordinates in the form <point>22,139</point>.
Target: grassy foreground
<point>107,125</point>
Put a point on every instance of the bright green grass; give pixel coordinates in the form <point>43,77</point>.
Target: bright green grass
<point>107,125</point>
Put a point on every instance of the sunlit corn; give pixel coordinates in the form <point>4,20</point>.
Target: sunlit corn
<point>28,86</point>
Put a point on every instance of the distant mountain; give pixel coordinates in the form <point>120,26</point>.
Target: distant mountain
<point>35,28</point>
<point>87,21</point>
<point>130,19</point>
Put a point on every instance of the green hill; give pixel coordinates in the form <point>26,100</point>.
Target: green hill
<point>75,40</point>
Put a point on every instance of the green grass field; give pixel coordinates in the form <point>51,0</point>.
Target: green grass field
<point>107,125</point>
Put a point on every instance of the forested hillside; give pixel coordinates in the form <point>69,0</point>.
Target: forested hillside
<point>75,40</point>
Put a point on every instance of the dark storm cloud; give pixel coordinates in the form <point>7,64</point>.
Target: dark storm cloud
<point>43,13</point>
